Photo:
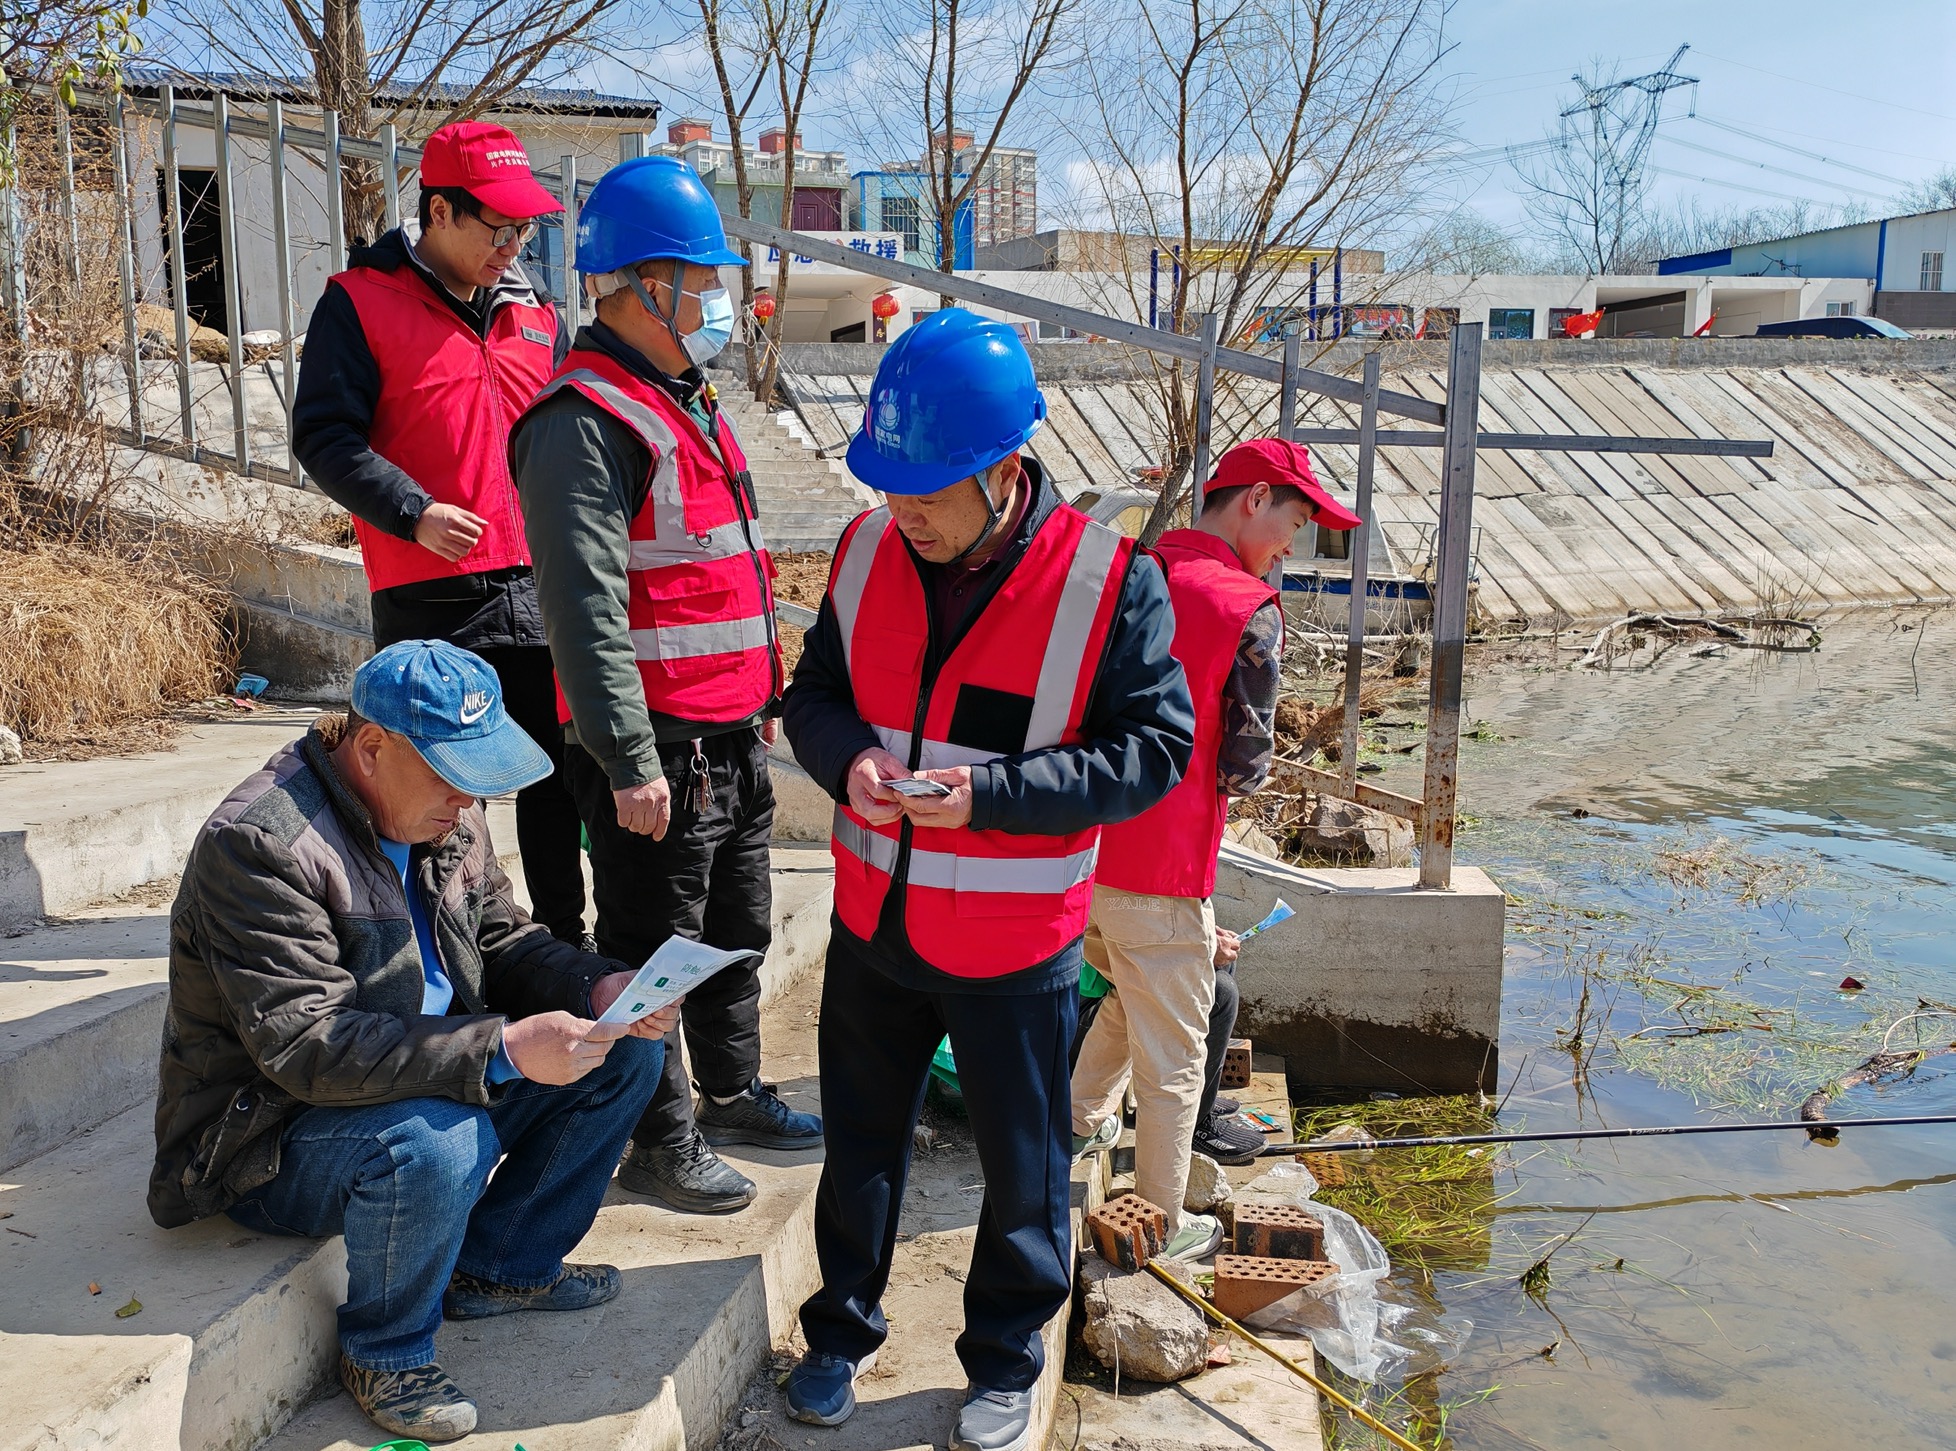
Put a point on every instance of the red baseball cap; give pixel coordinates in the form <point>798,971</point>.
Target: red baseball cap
<point>1273,461</point>
<point>490,164</point>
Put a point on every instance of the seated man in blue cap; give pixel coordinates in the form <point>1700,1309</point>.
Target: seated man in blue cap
<point>363,1024</point>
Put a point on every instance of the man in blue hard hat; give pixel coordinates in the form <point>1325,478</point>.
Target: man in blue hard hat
<point>656,600</point>
<point>988,683</point>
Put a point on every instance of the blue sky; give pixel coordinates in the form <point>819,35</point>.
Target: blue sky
<point>1872,84</point>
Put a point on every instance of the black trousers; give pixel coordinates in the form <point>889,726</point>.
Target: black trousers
<point>877,1038</point>
<point>547,834</point>
<point>1222,1025</point>
<point>707,880</point>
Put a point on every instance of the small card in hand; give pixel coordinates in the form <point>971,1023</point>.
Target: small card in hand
<point>911,786</point>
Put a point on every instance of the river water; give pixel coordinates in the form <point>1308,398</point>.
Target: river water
<point>1717,843</point>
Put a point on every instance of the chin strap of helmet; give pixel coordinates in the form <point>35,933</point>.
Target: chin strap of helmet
<point>993,511</point>
<point>637,285</point>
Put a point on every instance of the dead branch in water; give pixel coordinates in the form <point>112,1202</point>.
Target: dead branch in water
<point>1772,633</point>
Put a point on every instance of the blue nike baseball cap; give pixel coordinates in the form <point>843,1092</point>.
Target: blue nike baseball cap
<point>449,705</point>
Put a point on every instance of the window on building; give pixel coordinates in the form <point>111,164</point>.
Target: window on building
<point>1514,323</point>
<point>1932,272</point>
<point>899,214</point>
<point>1840,309</point>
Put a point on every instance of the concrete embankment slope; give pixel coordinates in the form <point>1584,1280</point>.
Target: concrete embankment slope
<point>1857,505</point>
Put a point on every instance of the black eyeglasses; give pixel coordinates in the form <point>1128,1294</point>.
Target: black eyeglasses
<point>501,237</point>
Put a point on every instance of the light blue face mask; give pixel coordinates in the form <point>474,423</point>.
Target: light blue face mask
<point>715,331</point>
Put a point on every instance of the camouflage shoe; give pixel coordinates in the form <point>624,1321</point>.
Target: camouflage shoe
<point>423,1403</point>
<point>577,1287</point>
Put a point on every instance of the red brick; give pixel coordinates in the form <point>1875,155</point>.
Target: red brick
<point>1277,1231</point>
<point>1128,1231</point>
<point>1246,1284</point>
<point>1236,1064</point>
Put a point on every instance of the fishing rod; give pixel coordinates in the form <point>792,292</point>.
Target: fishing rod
<point>1824,1130</point>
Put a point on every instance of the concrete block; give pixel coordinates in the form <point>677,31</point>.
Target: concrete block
<point>1375,983</point>
<point>1269,1229</point>
<point>1236,1063</point>
<point>1128,1231</point>
<point>1246,1284</point>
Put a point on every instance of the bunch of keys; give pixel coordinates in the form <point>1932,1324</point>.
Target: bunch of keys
<point>702,787</point>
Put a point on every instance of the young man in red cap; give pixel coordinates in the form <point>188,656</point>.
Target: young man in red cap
<point>419,358</point>
<point>1151,933</point>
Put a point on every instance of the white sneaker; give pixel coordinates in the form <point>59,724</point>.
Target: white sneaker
<point>1199,1237</point>
<point>1105,1135</point>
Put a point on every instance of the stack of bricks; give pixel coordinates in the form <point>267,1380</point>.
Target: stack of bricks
<point>1279,1250</point>
<point>1128,1231</point>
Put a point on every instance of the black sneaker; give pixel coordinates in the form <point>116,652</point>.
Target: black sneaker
<point>423,1403</point>
<point>1228,1140</point>
<point>1227,1105</point>
<point>757,1117</point>
<point>690,1178</point>
<point>577,1287</point>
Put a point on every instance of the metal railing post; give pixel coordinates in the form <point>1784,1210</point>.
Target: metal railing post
<point>1287,396</point>
<point>1450,608</point>
<point>179,304</point>
<point>64,140</point>
<point>125,238</point>
<point>390,167</point>
<point>282,257</point>
<point>335,167</point>
<point>227,232</point>
<point>13,262</point>
<point>1368,445</point>
<point>1205,408</point>
<point>572,305</point>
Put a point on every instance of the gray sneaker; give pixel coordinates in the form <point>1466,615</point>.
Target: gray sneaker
<point>690,1178</point>
<point>757,1117</point>
<point>993,1421</point>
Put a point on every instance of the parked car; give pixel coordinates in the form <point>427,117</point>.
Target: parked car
<point>1831,327</point>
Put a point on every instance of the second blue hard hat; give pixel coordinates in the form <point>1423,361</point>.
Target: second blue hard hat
<point>953,395</point>
<point>651,207</point>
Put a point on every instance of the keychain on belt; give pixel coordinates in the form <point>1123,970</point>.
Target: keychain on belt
<point>702,783</point>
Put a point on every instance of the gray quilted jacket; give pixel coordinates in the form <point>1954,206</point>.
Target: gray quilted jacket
<point>295,979</point>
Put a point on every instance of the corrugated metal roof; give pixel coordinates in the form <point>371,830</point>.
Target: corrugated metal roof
<point>146,80</point>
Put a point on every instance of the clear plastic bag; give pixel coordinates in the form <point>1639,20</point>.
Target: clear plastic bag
<point>1345,1315</point>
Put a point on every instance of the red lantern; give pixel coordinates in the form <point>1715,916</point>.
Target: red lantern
<point>763,305</point>
<point>884,306</point>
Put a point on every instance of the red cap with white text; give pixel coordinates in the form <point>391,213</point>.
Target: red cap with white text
<point>1273,461</point>
<point>489,163</point>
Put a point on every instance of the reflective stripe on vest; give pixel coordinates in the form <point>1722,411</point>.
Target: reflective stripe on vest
<point>956,873</point>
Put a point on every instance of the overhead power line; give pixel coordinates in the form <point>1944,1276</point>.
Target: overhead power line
<point>1766,166</point>
<point>1799,151</point>
<point>1802,81</point>
<point>1730,185</point>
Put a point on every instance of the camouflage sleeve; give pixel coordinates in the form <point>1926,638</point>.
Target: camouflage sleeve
<point>1250,705</point>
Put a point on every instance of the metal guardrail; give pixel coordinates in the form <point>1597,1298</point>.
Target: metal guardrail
<point>1456,434</point>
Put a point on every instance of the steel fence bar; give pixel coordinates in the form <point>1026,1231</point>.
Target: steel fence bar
<point>65,143</point>
<point>390,170</point>
<point>1330,783</point>
<point>1552,442</point>
<point>227,230</point>
<point>125,239</point>
<point>282,258</point>
<point>333,162</point>
<point>13,262</point>
<point>1205,414</point>
<point>1450,609</point>
<point>572,305</point>
<point>179,304</point>
<point>1287,388</point>
<point>1361,543</point>
<point>986,294</point>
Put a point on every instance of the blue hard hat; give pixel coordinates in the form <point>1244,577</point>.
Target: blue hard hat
<point>952,396</point>
<point>651,206</point>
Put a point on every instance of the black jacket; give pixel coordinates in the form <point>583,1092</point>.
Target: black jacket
<point>332,419</point>
<point>1140,729</point>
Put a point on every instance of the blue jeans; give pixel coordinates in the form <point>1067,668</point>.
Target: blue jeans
<point>408,1184</point>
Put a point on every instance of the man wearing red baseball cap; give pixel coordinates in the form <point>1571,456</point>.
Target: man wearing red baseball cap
<point>418,360</point>
<point>1151,933</point>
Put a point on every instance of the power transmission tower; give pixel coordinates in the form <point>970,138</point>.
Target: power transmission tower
<point>1623,118</point>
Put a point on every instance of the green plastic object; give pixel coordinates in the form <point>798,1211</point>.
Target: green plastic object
<point>1092,984</point>
<point>944,1068</point>
<point>401,1446</point>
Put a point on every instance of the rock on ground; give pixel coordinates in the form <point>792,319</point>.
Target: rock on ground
<point>9,747</point>
<point>1350,832</point>
<point>1139,1327</point>
<point>1208,1186</point>
<point>1252,838</point>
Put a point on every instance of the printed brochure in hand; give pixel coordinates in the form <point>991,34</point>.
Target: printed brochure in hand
<point>669,974</point>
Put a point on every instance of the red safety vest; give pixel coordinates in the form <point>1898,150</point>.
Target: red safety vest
<point>699,591</point>
<point>976,904</point>
<point>1170,849</point>
<point>448,399</point>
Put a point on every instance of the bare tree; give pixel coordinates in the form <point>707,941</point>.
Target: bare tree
<point>958,68</point>
<point>416,63</point>
<point>1243,138</point>
<point>736,42</point>
<point>1931,194</point>
<point>795,28</point>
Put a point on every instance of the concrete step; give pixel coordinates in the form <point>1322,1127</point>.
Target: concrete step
<point>236,1330</point>
<point>74,833</point>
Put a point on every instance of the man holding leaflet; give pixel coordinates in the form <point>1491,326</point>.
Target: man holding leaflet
<point>362,1023</point>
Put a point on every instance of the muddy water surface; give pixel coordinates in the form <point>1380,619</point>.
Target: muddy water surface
<point>1718,843</point>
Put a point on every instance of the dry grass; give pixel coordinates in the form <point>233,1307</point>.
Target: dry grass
<point>90,642</point>
<point>801,579</point>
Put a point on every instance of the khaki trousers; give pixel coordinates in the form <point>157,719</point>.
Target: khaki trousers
<point>1159,953</point>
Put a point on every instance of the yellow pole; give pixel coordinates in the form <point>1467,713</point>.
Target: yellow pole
<point>1362,1415</point>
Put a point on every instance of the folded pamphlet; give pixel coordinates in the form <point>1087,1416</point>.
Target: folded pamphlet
<point>679,966</point>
